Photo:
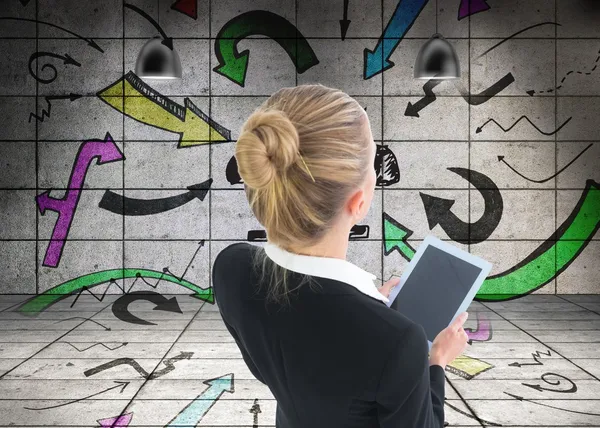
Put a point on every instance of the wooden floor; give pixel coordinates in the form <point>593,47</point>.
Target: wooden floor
<point>533,362</point>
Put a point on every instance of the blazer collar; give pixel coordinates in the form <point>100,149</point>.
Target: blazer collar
<point>326,267</point>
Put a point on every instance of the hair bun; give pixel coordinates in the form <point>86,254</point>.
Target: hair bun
<point>269,144</point>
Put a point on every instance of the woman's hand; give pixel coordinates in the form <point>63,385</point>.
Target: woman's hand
<point>386,288</point>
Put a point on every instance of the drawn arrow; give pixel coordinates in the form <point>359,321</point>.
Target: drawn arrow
<point>501,159</point>
<point>480,128</point>
<point>255,410</point>
<point>560,85</point>
<point>345,22</point>
<point>86,319</point>
<point>169,366</point>
<point>41,302</point>
<point>116,421</point>
<point>105,151</point>
<point>358,231</point>
<point>67,60</point>
<point>121,305</point>
<point>233,64</point>
<point>123,205</point>
<point>469,415</point>
<point>120,384</point>
<point>187,7</point>
<point>487,94</point>
<point>386,166</point>
<point>438,210</point>
<point>90,42</point>
<point>540,267</point>
<point>414,109</point>
<point>518,397</point>
<point>193,413</point>
<point>541,388</point>
<point>377,61</point>
<point>535,356</point>
<point>46,111</point>
<point>131,96</point>
<point>231,172</point>
<point>166,40</point>
<point>96,344</point>
<point>483,332</point>
<point>516,34</point>
<point>471,7</point>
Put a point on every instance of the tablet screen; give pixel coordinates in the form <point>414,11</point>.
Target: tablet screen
<point>435,289</point>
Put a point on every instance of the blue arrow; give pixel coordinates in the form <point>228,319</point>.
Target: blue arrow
<point>193,413</point>
<point>404,16</point>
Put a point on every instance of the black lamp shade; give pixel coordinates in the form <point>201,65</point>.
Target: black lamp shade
<point>158,61</point>
<point>437,59</point>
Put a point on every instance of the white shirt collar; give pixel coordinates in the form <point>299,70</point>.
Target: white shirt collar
<point>326,267</point>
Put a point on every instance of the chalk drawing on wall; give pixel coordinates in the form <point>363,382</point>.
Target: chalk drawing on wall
<point>439,210</point>
<point>358,231</point>
<point>515,34</point>
<point>233,64</point>
<point>46,111</point>
<point>120,307</point>
<point>480,128</point>
<point>33,61</point>
<point>471,7</point>
<point>345,22</point>
<point>166,40</point>
<point>134,98</point>
<point>104,151</point>
<point>386,166</point>
<point>501,159</point>
<point>187,7</point>
<point>540,267</point>
<point>231,172</point>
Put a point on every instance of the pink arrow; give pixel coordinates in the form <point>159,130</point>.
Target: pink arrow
<point>483,332</point>
<point>470,7</point>
<point>106,151</point>
<point>116,421</point>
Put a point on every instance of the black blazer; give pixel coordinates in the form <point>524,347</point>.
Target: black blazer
<point>335,358</point>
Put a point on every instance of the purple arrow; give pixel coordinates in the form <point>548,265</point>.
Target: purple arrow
<point>470,7</point>
<point>117,421</point>
<point>483,332</point>
<point>106,151</point>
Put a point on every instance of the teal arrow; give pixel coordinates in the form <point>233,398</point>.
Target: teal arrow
<point>233,64</point>
<point>540,267</point>
<point>49,297</point>
<point>193,413</point>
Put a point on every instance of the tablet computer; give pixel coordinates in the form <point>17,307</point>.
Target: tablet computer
<point>439,283</point>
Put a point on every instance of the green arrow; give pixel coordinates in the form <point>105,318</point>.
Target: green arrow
<point>49,297</point>
<point>233,64</point>
<point>541,266</point>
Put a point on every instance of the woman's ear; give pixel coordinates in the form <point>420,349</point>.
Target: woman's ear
<point>356,205</point>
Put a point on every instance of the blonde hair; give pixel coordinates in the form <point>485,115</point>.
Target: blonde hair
<point>300,155</point>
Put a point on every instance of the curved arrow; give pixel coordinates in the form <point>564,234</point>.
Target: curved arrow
<point>42,301</point>
<point>480,128</point>
<point>516,34</point>
<point>123,205</point>
<point>541,266</point>
<point>483,332</point>
<point>67,60</point>
<point>414,109</point>
<point>471,7</point>
<point>540,388</point>
<point>121,384</point>
<point>90,42</point>
<point>134,98</point>
<point>501,159</point>
<point>166,40</point>
<point>121,305</point>
<point>438,211</point>
<point>193,413</point>
<point>518,397</point>
<point>233,64</point>
<point>486,94</point>
<point>187,7</point>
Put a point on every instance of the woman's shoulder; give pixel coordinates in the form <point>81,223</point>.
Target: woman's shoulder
<point>233,252</point>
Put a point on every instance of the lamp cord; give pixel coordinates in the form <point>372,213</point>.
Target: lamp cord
<point>436,16</point>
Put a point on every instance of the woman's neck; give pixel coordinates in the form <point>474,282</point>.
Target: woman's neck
<point>334,245</point>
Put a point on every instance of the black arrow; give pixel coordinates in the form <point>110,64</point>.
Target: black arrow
<point>169,366</point>
<point>46,112</point>
<point>518,397</point>
<point>345,22</point>
<point>255,409</point>
<point>90,42</point>
<point>231,172</point>
<point>123,205</point>
<point>438,211</point>
<point>386,166</point>
<point>121,384</point>
<point>120,307</point>
<point>67,60</point>
<point>96,344</point>
<point>480,128</point>
<point>501,159</point>
<point>535,356</point>
<point>486,94</point>
<point>166,40</point>
<point>515,34</point>
<point>540,388</point>
<point>358,231</point>
<point>414,109</point>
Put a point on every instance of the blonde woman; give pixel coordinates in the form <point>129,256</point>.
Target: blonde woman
<point>310,325</point>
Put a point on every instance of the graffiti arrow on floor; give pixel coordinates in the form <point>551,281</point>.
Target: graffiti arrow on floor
<point>233,64</point>
<point>123,205</point>
<point>535,356</point>
<point>483,332</point>
<point>541,388</point>
<point>518,397</point>
<point>544,264</point>
<point>193,413</point>
<point>438,211</point>
<point>138,368</point>
<point>120,384</point>
<point>121,305</point>
<point>255,410</point>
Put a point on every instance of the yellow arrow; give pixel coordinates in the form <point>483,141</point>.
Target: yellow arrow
<point>137,100</point>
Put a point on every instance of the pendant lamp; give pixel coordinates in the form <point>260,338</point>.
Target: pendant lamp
<point>437,58</point>
<point>158,61</point>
